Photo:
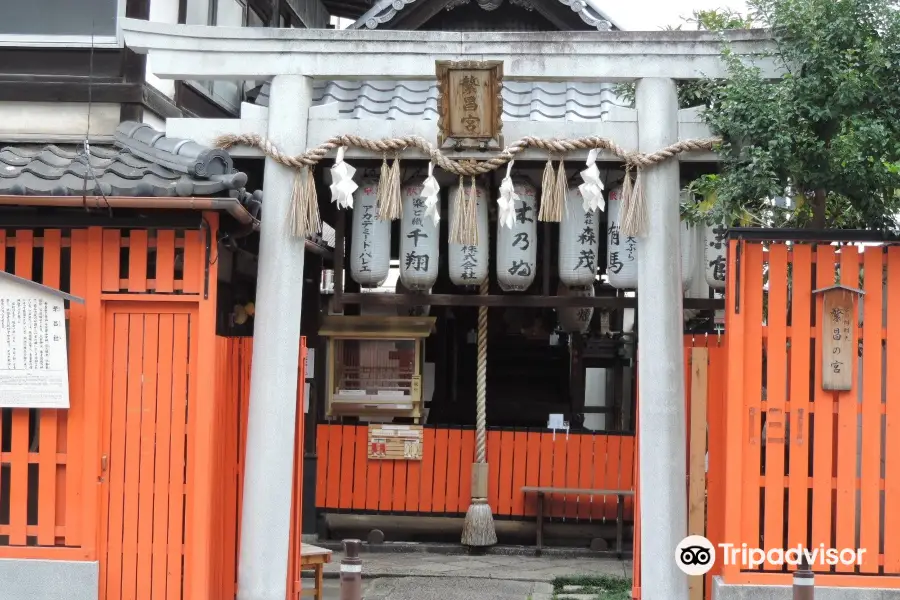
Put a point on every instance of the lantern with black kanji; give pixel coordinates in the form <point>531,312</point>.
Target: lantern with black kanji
<point>714,246</point>
<point>517,245</point>
<point>622,250</point>
<point>370,250</point>
<point>579,242</point>
<point>575,320</point>
<point>469,264</point>
<point>419,236</point>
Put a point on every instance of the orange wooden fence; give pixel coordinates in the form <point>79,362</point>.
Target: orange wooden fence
<point>807,466</point>
<point>705,362</point>
<point>441,482</point>
<point>233,360</point>
<point>109,479</point>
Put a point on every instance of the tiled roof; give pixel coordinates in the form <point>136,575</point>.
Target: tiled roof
<point>144,162</point>
<point>522,101</point>
<point>385,10</point>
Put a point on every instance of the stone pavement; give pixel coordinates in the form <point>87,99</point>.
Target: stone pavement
<point>423,576</point>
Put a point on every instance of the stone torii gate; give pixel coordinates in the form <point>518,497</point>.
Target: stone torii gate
<point>292,59</point>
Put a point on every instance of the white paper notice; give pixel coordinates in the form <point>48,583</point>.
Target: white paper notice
<point>33,359</point>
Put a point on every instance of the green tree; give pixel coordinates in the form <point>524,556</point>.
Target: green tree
<point>826,135</point>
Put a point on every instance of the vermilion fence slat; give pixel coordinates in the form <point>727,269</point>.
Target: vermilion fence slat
<point>454,473</point>
<point>335,468</point>
<point>50,493</point>
<point>163,432</point>
<point>800,368</point>
<point>360,469</point>
<point>776,390</point>
<point>752,299</point>
<point>892,419</point>
<point>847,428</point>
<point>870,479</point>
<point>349,452</point>
<point>823,418</point>
<point>532,471</point>
<point>520,468</point>
<point>323,432</point>
<point>468,457</point>
<point>426,503</point>
<point>573,461</point>
<point>493,458</point>
<point>505,473</point>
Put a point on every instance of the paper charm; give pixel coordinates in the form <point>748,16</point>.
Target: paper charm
<point>342,184</point>
<point>430,191</point>
<point>592,188</point>
<point>506,203</point>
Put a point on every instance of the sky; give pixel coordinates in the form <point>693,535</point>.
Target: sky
<point>650,15</point>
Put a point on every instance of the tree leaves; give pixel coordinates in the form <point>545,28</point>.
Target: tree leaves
<point>830,123</point>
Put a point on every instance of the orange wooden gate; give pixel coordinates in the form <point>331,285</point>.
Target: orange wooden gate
<point>145,292</point>
<point>806,466</point>
<point>232,382</point>
<point>144,472</point>
<point>705,362</point>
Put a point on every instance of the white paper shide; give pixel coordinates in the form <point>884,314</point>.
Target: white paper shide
<point>33,358</point>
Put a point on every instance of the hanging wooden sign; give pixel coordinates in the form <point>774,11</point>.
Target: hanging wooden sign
<point>470,105</point>
<point>839,351</point>
<point>395,442</point>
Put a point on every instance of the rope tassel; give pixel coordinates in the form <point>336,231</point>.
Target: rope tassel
<point>381,193</point>
<point>550,208</point>
<point>634,208</point>
<point>394,203</point>
<point>562,192</point>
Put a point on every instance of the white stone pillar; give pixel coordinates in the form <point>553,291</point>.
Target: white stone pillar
<point>660,354</point>
<point>263,560</point>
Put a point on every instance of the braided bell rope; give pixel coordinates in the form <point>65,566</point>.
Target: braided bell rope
<point>481,381</point>
<point>462,168</point>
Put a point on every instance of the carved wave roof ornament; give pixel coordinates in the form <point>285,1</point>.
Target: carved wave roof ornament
<point>522,100</point>
<point>385,10</point>
<point>143,163</point>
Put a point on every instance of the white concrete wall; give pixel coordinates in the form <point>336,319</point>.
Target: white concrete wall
<point>163,11</point>
<point>32,579</point>
<point>48,122</point>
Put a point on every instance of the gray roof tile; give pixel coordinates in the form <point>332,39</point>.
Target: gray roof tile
<point>144,163</point>
<point>522,101</point>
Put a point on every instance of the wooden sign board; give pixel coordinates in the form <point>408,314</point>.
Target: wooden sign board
<point>839,352</point>
<point>470,105</point>
<point>395,442</point>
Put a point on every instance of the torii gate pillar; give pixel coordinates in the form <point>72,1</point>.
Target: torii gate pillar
<point>661,426</point>
<point>268,474</point>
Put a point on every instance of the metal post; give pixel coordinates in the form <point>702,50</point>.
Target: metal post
<point>351,571</point>
<point>804,582</point>
<point>269,471</point>
<point>663,461</point>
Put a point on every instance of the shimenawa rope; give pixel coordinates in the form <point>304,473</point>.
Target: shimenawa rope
<point>634,218</point>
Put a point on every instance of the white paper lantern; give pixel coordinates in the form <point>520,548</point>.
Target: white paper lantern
<point>517,247</point>
<point>419,237</point>
<point>469,264</point>
<point>622,250</point>
<point>579,242</point>
<point>412,311</point>
<point>575,320</point>
<point>714,261</point>
<point>370,251</point>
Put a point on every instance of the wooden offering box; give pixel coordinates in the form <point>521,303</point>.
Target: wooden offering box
<point>375,365</point>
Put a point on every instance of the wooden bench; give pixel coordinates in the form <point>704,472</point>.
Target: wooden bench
<point>313,558</point>
<point>542,491</point>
